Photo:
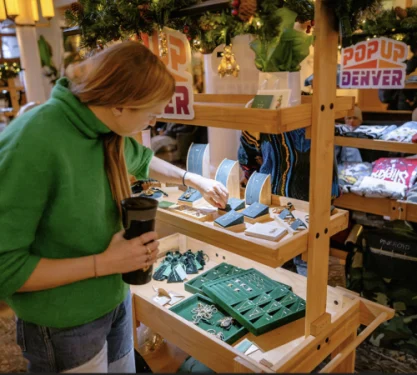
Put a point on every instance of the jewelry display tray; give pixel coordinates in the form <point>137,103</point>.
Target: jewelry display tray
<point>223,269</point>
<point>259,303</point>
<point>184,309</point>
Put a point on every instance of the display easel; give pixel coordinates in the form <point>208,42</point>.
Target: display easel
<point>228,174</point>
<point>258,189</point>
<point>333,315</point>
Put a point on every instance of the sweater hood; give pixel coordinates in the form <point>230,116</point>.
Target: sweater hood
<point>78,113</point>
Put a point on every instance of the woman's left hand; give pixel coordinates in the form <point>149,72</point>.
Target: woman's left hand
<point>212,191</point>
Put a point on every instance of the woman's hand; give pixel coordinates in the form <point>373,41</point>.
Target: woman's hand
<point>127,255</point>
<point>212,191</point>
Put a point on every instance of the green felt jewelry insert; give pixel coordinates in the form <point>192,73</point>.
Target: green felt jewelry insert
<point>213,324</point>
<point>215,273</point>
<point>259,303</point>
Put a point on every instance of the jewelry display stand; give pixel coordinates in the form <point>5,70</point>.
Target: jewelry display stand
<point>228,174</point>
<point>233,221</point>
<point>198,159</point>
<point>333,315</point>
<point>258,189</point>
<point>198,162</point>
<point>191,197</point>
<point>256,213</point>
<point>192,212</point>
<point>234,204</point>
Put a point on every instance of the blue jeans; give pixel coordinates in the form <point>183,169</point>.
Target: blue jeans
<point>104,345</point>
<point>300,265</point>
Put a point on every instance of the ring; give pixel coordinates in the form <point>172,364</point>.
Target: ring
<point>148,250</point>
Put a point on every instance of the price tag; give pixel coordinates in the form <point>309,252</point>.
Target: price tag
<point>181,272</point>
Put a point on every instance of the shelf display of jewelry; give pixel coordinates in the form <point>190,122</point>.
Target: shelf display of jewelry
<point>201,311</point>
<point>222,270</point>
<point>272,253</point>
<point>176,266</point>
<point>259,303</point>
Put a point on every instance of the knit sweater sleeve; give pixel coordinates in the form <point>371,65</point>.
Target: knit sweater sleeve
<point>138,158</point>
<point>26,179</point>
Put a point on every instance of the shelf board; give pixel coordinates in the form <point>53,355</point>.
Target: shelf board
<point>395,209</point>
<point>375,144</point>
<point>283,342</point>
<point>227,111</point>
<point>267,252</point>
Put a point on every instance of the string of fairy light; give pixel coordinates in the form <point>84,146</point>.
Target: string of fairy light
<point>8,71</point>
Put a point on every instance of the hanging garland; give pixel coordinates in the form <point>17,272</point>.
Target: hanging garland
<point>103,21</point>
<point>397,23</point>
<point>350,13</point>
<point>8,71</point>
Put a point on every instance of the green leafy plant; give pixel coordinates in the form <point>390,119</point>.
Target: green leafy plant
<point>287,50</point>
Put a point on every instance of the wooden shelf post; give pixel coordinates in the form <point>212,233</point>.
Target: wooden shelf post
<point>321,167</point>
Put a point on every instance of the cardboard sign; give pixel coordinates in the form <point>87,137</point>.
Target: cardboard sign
<point>375,63</point>
<point>178,61</point>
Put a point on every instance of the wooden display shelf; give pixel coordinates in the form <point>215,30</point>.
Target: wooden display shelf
<point>395,209</point>
<point>267,252</point>
<point>375,144</point>
<point>228,111</point>
<point>285,349</point>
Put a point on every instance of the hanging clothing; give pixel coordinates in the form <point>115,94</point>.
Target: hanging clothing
<point>286,157</point>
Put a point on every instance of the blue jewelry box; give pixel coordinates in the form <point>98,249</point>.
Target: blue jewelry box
<point>233,204</point>
<point>256,212</point>
<point>232,220</point>
<point>190,196</point>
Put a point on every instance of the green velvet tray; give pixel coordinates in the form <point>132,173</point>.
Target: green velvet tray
<point>259,303</point>
<point>222,270</point>
<point>185,307</point>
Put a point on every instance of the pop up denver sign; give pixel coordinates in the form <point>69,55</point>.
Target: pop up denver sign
<point>375,63</point>
<point>178,61</point>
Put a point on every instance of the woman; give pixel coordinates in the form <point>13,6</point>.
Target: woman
<point>64,170</point>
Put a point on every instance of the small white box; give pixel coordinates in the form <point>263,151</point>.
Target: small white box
<point>266,231</point>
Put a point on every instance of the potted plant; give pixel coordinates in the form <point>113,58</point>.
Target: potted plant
<point>279,58</point>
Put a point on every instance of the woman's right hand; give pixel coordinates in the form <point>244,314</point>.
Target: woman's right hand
<point>127,255</point>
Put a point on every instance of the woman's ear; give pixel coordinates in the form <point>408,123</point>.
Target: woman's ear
<point>117,112</point>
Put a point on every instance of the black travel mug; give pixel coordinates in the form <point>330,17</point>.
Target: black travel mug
<point>138,214</point>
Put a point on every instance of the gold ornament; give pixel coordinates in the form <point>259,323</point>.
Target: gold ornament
<point>247,9</point>
<point>163,44</point>
<point>228,65</point>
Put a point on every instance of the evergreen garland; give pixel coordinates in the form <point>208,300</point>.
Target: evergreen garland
<point>8,71</point>
<point>398,23</point>
<point>102,21</point>
<point>349,14</point>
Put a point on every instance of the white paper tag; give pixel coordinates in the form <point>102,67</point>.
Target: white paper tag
<point>161,300</point>
<point>251,350</point>
<point>175,297</point>
<point>181,273</point>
